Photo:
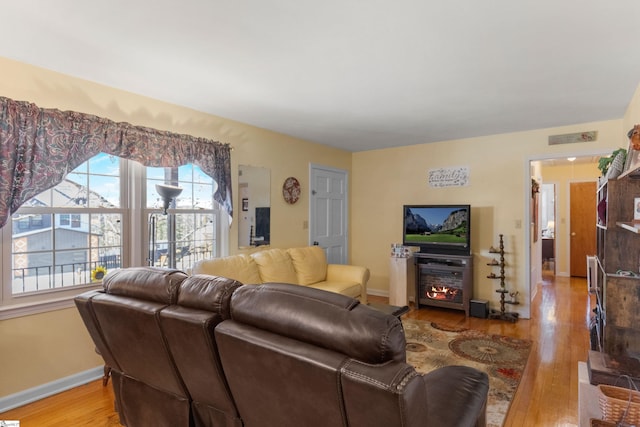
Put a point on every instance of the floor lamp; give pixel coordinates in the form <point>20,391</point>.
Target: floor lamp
<point>167,193</point>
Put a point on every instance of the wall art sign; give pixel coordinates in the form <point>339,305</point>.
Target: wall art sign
<point>569,138</point>
<point>449,177</point>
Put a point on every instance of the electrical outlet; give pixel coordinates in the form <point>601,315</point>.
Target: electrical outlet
<point>518,223</point>
<point>305,225</point>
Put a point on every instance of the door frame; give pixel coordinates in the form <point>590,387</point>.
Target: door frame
<point>532,288</point>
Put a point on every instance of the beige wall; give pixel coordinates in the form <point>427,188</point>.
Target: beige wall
<point>384,180</point>
<point>42,348</point>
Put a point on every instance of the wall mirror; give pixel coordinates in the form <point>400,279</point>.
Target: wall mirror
<point>254,206</point>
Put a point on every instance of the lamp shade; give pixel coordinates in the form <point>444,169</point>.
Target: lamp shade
<point>167,193</point>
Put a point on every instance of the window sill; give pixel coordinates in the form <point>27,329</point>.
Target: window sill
<point>38,307</point>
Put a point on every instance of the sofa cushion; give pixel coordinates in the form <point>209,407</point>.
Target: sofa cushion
<point>275,265</point>
<point>237,267</point>
<point>310,264</point>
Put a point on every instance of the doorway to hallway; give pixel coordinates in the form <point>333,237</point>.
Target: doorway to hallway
<point>548,224</point>
<point>557,170</point>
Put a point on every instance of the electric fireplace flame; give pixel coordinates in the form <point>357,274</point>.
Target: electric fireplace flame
<point>443,293</point>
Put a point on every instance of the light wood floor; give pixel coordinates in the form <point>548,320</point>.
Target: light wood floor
<point>547,395</point>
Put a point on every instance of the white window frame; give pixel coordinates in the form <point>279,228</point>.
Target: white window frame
<point>134,249</point>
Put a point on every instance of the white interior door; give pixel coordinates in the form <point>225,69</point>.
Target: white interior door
<point>328,212</point>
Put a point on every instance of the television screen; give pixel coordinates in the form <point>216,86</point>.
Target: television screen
<point>438,228</point>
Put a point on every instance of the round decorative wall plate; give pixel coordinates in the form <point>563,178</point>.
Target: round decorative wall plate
<point>291,190</point>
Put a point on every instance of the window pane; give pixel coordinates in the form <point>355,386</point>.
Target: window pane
<point>104,191</point>
<point>71,267</point>
<point>28,237</point>
<point>83,168</point>
<point>155,173</point>
<point>42,199</point>
<point>72,191</point>
<point>185,199</point>
<point>107,228</point>
<point>185,173</point>
<point>96,242</point>
<point>203,196</point>
<point>95,184</point>
<point>195,238</point>
<point>197,187</point>
<point>201,177</point>
<point>104,164</point>
<point>76,236</point>
<point>31,272</point>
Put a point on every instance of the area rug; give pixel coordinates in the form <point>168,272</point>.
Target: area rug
<point>430,346</point>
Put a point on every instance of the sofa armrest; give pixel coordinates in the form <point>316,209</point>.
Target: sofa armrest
<point>394,394</point>
<point>462,390</point>
<point>350,273</point>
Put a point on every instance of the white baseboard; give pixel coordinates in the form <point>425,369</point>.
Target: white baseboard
<point>377,293</point>
<point>45,390</point>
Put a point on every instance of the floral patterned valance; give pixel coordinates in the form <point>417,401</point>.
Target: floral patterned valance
<point>40,146</point>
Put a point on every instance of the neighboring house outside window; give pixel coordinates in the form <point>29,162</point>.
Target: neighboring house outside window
<point>57,239</point>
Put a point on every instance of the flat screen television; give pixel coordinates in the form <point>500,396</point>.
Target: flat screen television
<point>438,229</point>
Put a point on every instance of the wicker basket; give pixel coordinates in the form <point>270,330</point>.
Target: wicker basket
<point>615,401</point>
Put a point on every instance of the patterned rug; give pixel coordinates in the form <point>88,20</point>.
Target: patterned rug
<point>430,346</point>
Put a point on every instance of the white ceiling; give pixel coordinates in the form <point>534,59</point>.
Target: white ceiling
<point>355,74</point>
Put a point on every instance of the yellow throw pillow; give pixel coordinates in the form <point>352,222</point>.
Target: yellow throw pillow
<point>275,265</point>
<point>310,264</point>
<point>237,267</point>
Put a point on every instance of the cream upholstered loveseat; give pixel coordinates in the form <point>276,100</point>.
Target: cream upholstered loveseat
<point>306,266</point>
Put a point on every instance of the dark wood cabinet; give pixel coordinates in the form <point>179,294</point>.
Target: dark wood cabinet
<point>444,281</point>
<point>548,249</point>
<point>618,285</point>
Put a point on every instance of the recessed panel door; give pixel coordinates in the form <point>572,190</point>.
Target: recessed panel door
<point>582,235</point>
<point>328,212</point>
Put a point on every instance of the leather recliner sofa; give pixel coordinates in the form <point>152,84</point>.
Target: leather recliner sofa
<point>207,351</point>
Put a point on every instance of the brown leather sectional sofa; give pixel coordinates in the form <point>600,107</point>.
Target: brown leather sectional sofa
<point>208,351</point>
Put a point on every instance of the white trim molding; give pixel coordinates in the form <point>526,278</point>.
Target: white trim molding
<point>45,390</point>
